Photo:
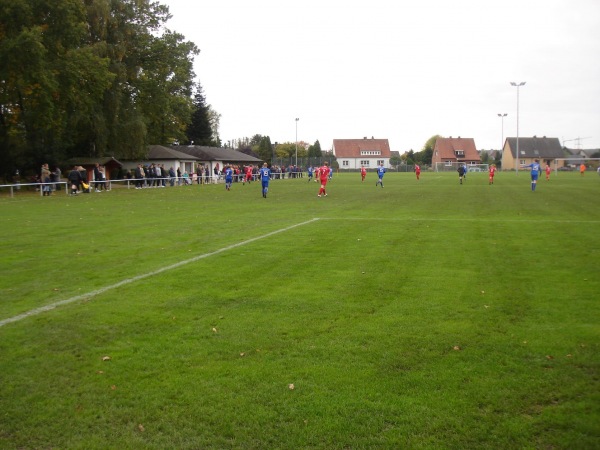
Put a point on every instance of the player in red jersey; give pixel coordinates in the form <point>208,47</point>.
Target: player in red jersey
<point>417,171</point>
<point>248,177</point>
<point>363,173</point>
<point>323,174</point>
<point>492,173</point>
<point>547,172</point>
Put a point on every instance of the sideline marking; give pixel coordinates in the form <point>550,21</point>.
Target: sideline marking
<point>466,219</point>
<point>51,306</point>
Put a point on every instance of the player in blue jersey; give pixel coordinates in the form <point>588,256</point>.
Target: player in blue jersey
<point>380,174</point>
<point>265,175</point>
<point>228,177</point>
<point>310,173</point>
<point>535,172</point>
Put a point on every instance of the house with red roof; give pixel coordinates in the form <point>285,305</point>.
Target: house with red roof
<point>455,150</point>
<point>357,153</point>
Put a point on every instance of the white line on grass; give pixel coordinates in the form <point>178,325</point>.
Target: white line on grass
<point>51,306</point>
<point>465,219</point>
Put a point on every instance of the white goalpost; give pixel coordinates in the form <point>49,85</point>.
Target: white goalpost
<point>451,166</point>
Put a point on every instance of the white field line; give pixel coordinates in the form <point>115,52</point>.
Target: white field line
<point>51,306</point>
<point>459,219</point>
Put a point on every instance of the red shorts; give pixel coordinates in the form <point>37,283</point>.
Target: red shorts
<point>324,181</point>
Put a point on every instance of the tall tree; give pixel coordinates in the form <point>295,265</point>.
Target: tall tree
<point>199,131</point>
<point>315,150</point>
<point>90,77</point>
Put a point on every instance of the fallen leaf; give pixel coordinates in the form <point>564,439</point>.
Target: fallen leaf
<point>214,330</point>
<point>106,358</point>
<point>485,306</point>
<point>483,292</point>
<point>456,347</point>
<point>100,371</point>
<point>113,387</point>
<point>141,428</point>
<point>549,357</point>
<point>569,356</point>
<point>291,386</point>
<point>242,354</point>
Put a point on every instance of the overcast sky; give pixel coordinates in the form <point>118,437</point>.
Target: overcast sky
<point>398,70</point>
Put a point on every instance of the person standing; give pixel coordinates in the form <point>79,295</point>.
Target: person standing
<point>492,173</point>
<point>547,172</point>
<point>417,171</point>
<point>380,174</point>
<point>45,179</point>
<point>265,176</point>
<point>228,177</point>
<point>310,173</point>
<point>323,176</point>
<point>139,176</point>
<point>74,178</point>
<point>535,172</point>
<point>582,169</point>
<point>461,173</point>
<point>172,176</point>
<point>97,177</point>
<point>363,173</point>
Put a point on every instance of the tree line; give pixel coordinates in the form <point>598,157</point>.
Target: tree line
<point>95,78</point>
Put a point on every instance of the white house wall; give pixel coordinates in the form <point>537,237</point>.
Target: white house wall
<point>355,163</point>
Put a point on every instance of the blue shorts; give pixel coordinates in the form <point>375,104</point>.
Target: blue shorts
<point>534,176</point>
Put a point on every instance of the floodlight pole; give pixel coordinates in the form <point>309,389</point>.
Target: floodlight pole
<point>502,116</point>
<point>297,119</point>
<point>517,85</point>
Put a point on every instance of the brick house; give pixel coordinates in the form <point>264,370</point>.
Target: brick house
<point>455,150</point>
<point>547,150</point>
<point>354,153</point>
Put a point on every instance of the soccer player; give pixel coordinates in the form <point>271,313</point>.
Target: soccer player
<point>324,176</point>
<point>310,173</point>
<point>547,172</point>
<point>228,177</point>
<point>461,173</point>
<point>582,169</point>
<point>248,173</point>
<point>265,175</point>
<point>380,174</point>
<point>363,173</point>
<point>417,171</point>
<point>492,173</point>
<point>535,172</point>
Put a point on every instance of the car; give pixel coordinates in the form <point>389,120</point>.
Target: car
<point>565,169</point>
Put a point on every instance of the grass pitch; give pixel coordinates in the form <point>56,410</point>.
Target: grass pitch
<point>426,314</point>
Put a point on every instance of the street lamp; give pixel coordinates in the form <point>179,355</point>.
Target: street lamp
<point>517,85</point>
<point>502,116</point>
<point>297,119</point>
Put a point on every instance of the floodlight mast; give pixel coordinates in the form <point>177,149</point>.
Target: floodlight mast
<point>517,85</point>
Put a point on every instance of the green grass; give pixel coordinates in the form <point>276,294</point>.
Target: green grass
<point>421,315</point>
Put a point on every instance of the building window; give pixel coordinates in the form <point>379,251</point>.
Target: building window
<point>459,152</point>
<point>345,163</point>
<point>365,163</point>
<point>370,153</point>
<point>380,162</point>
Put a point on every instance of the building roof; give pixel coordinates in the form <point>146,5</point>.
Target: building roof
<point>216,154</point>
<point>356,148</point>
<point>86,161</point>
<point>165,153</point>
<point>446,149</point>
<point>536,147</point>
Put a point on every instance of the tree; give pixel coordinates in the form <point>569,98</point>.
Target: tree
<point>199,131</point>
<point>395,161</point>
<point>92,77</point>
<point>314,151</point>
<point>265,149</point>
